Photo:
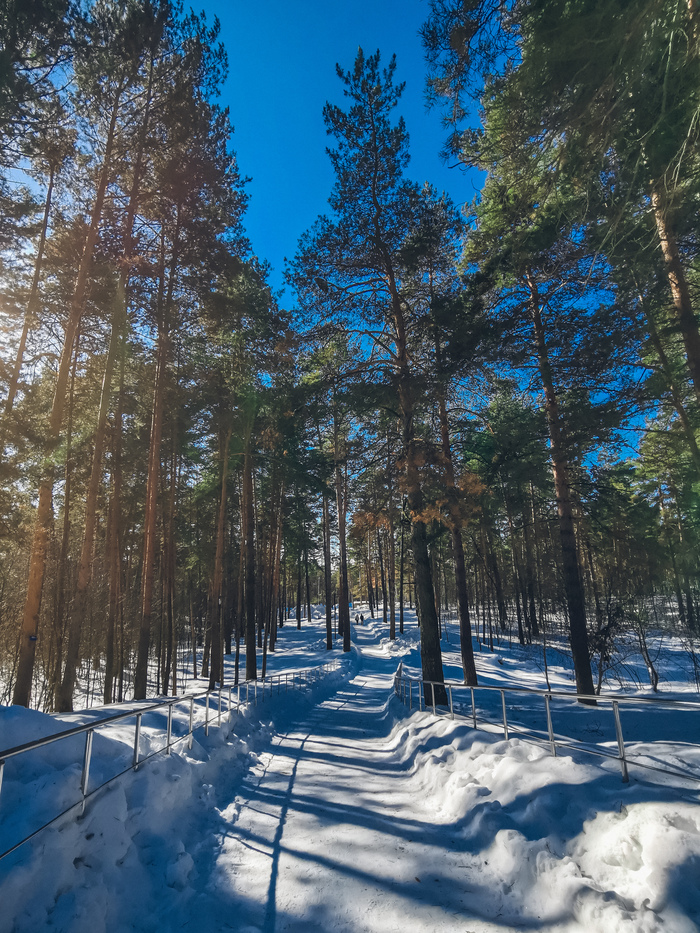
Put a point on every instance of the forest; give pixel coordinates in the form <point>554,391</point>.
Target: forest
<point>490,414</point>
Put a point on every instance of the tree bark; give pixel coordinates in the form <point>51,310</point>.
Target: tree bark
<point>465,628</point>
<point>401,564</point>
<point>114,536</point>
<point>341,505</point>
<point>276,573</point>
<point>382,578</point>
<point>164,304</point>
<point>37,560</point>
<point>62,574</point>
<point>80,600</point>
<point>678,282</point>
<point>216,669</point>
<point>391,557</point>
<point>251,668</point>
<point>308,589</point>
<point>327,573</point>
<point>150,523</point>
<point>573,586</point>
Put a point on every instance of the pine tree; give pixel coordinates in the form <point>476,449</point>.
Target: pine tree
<point>352,267</point>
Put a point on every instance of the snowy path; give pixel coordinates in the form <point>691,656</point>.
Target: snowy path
<point>320,837</point>
<point>352,816</point>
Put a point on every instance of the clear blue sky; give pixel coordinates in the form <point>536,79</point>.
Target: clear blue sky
<point>282,56</point>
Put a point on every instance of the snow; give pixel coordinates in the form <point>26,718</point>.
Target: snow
<point>338,809</point>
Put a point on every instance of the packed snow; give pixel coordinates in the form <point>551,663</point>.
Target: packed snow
<point>336,808</point>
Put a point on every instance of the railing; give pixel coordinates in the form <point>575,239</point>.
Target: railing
<point>457,699</point>
<point>217,705</point>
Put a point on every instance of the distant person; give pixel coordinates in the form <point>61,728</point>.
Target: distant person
<point>362,619</point>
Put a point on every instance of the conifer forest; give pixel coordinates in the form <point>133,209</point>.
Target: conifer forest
<point>488,413</point>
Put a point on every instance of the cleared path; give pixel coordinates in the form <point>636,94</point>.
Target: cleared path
<point>329,831</point>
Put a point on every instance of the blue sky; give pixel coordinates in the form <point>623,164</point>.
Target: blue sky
<point>282,58</point>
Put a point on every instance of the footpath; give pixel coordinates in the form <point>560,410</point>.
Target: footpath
<point>327,832</point>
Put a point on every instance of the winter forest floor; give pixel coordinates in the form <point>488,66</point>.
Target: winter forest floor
<point>340,810</point>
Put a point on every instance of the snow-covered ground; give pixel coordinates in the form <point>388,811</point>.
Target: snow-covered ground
<point>337,809</point>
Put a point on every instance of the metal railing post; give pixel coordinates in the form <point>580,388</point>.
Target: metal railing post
<point>238,702</point>
<point>229,703</point>
<point>2,770</point>
<point>85,777</point>
<point>421,688</point>
<point>432,690</point>
<point>473,706</point>
<point>137,737</point>
<point>219,722</point>
<point>255,690</point>
<point>505,718</point>
<point>170,729</point>
<point>620,743</point>
<point>452,711</point>
<point>410,694</point>
<point>191,733</point>
<point>550,730</point>
<point>206,714</point>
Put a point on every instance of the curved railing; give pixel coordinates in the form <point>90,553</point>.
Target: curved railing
<point>214,706</point>
<point>459,699</point>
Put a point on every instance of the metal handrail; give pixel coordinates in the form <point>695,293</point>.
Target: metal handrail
<point>291,679</point>
<point>403,685</point>
<point>566,694</point>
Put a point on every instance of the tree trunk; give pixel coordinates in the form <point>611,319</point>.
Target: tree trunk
<point>382,578</point>
<point>164,305</point>
<point>240,607</point>
<point>391,557</point>
<point>341,505</point>
<point>298,605</point>
<point>308,590</point>
<point>37,560</point>
<point>572,576</point>
<point>529,605</point>
<point>251,663</point>
<point>170,666</point>
<point>277,560</point>
<point>495,575</point>
<point>150,522</point>
<point>216,674</point>
<point>114,540</point>
<point>401,580</point>
<point>327,573</point>
<point>80,600</point>
<point>680,289</point>
<point>465,628</point>
<point>62,574</point>
<point>431,656</point>
<point>518,583</point>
